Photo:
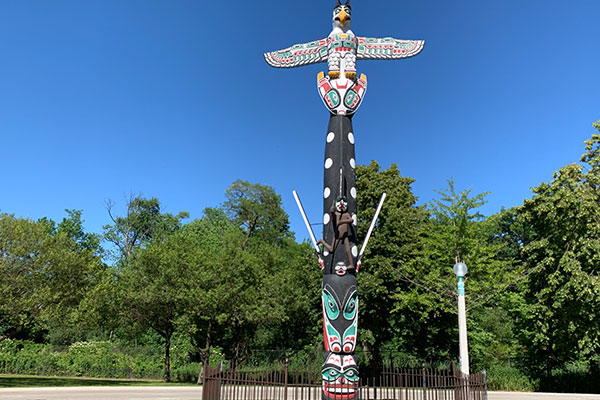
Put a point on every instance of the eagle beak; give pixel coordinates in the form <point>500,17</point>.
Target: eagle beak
<point>343,16</point>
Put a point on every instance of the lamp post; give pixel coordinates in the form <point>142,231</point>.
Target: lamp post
<point>460,270</point>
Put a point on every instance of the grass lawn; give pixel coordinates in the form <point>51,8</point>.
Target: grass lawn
<point>12,381</point>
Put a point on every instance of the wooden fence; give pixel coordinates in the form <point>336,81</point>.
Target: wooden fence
<point>390,384</point>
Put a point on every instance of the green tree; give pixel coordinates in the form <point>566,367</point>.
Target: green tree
<point>143,221</point>
<point>20,244</point>
<point>394,243</point>
<point>563,289</point>
<point>257,209</point>
<point>253,288</point>
<point>153,287</point>
<point>45,275</point>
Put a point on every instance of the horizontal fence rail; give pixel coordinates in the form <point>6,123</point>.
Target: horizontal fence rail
<point>390,384</point>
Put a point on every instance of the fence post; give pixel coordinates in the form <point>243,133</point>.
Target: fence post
<point>424,381</point>
<point>218,394</point>
<point>285,380</point>
<point>484,373</point>
<point>204,396</point>
<point>456,382</point>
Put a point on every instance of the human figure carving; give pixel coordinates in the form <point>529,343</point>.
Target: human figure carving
<point>342,221</point>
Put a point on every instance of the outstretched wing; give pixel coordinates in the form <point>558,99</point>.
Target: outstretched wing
<point>387,48</point>
<point>298,55</point>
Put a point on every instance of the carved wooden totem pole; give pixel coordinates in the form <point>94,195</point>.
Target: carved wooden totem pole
<point>342,92</point>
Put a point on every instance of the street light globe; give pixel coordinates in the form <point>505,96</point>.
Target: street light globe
<point>460,269</point>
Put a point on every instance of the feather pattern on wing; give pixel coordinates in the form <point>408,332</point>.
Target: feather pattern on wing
<point>298,55</point>
<point>387,48</point>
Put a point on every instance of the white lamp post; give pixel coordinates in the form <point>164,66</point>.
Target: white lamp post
<point>460,270</point>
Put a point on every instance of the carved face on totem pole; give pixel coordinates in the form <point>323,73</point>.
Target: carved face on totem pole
<point>340,312</point>
<point>340,377</point>
<point>342,15</point>
<point>341,204</point>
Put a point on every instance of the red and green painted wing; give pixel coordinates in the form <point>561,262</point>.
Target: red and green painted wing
<point>298,55</point>
<point>387,48</point>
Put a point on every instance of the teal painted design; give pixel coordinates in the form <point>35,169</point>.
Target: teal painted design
<point>331,330</point>
<point>332,374</point>
<point>331,307</point>
<point>387,48</point>
<point>461,286</point>
<point>298,55</point>
<point>351,307</point>
<point>334,98</point>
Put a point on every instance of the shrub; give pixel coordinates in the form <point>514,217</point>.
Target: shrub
<point>91,359</point>
<point>508,378</point>
<point>187,373</point>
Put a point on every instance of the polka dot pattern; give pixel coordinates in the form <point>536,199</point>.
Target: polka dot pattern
<point>355,219</point>
<point>354,251</point>
<point>352,163</point>
<point>328,163</point>
<point>326,193</point>
<point>351,137</point>
<point>353,192</point>
<point>330,137</point>
<point>326,218</point>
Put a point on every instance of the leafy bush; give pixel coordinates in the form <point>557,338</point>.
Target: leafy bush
<point>509,378</point>
<point>574,377</point>
<point>187,373</point>
<point>91,359</point>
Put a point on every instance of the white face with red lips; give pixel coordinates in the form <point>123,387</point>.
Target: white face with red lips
<point>340,377</point>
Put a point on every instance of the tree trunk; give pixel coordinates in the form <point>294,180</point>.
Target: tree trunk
<point>206,353</point>
<point>167,376</point>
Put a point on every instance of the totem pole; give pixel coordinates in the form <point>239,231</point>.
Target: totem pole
<point>342,93</point>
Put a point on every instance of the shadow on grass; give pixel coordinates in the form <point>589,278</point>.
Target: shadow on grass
<point>14,381</point>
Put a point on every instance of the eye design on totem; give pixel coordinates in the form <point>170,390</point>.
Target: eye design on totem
<point>331,374</point>
<point>351,307</point>
<point>351,374</point>
<point>336,373</point>
<point>331,307</point>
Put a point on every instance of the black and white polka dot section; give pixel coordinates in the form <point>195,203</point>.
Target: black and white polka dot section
<point>352,163</point>
<point>328,163</point>
<point>354,251</point>
<point>326,193</point>
<point>353,192</point>
<point>354,219</point>
<point>326,218</point>
<point>330,137</point>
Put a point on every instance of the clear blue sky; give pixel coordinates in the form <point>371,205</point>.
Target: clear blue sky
<point>172,99</point>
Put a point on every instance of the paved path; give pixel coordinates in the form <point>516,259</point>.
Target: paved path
<point>540,396</point>
<point>104,393</point>
<point>195,393</point>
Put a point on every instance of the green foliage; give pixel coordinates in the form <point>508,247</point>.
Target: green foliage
<point>455,220</point>
<point>90,359</point>
<point>257,209</point>
<point>187,372</point>
<point>45,275</point>
<point>562,318</point>
<point>506,377</point>
<point>393,244</point>
<point>143,222</point>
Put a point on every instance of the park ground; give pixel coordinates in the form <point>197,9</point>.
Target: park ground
<point>22,387</point>
<point>195,392</point>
